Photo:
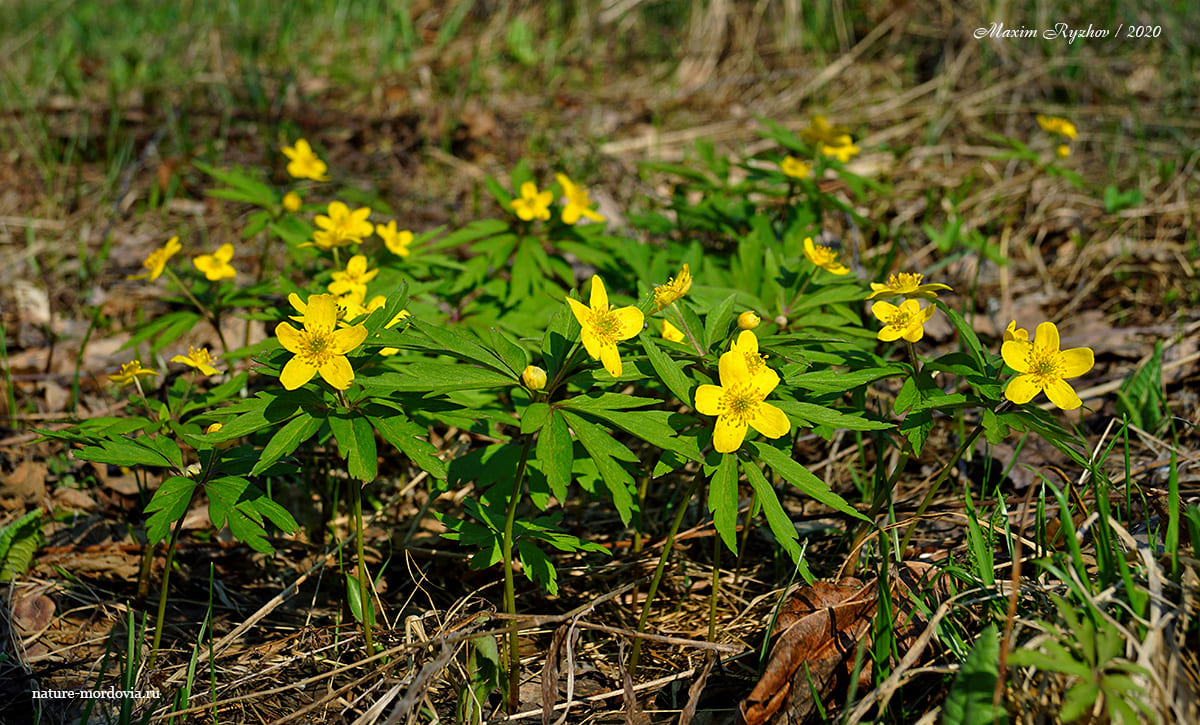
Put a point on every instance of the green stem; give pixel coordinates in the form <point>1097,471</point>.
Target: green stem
<point>162,594</point>
<point>716,587</point>
<point>364,603</point>
<point>737,567</point>
<point>658,572</point>
<point>510,595</point>
<point>687,330</point>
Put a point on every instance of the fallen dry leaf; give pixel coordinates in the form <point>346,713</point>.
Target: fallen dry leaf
<point>816,635</point>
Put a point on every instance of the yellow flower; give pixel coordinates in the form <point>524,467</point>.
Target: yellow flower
<point>907,284</point>
<point>341,227</point>
<point>671,332</point>
<point>320,347</point>
<point>738,402</point>
<point>200,359</point>
<point>676,287</point>
<point>157,260</point>
<point>746,345</point>
<point>603,326</point>
<point>795,168</point>
<point>823,257</point>
<point>1063,151</point>
<point>819,131</point>
<point>905,321</point>
<point>842,149</point>
<point>291,201</point>
<point>533,377</point>
<point>354,278</point>
<point>748,320</point>
<point>402,314</point>
<point>216,266</point>
<point>579,203</point>
<point>397,241</point>
<point>1012,332</point>
<point>532,204</point>
<point>1057,125</point>
<point>303,163</point>
<point>130,372</point>
<point>1041,366</point>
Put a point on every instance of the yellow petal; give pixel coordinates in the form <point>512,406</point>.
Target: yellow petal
<point>296,373</point>
<point>770,421</point>
<point>1021,389</point>
<point>348,338</point>
<point>1061,394</point>
<point>1077,361</point>
<point>599,299</point>
<point>630,320</point>
<point>889,333</point>
<point>732,369</point>
<point>765,380</point>
<point>728,434</point>
<point>321,313</point>
<point>1046,337</point>
<point>581,313</point>
<point>884,311</point>
<point>708,399</point>
<point>337,372</point>
<point>611,359</point>
<point>289,337</point>
<point>747,342</point>
<point>591,343</point>
<point>1016,355</point>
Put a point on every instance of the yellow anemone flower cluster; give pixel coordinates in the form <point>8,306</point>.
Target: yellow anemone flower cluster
<point>156,261</point>
<point>824,257</point>
<point>675,288</point>
<point>603,326</point>
<point>216,266</point>
<point>1042,367</point>
<point>908,285</point>
<point>320,347</point>
<point>834,141</point>
<point>304,163</point>
<point>739,401</point>
<point>200,359</point>
<point>341,227</point>
<point>907,320</point>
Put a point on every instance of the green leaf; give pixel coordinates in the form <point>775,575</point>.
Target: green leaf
<point>916,426</point>
<point>169,504</point>
<point>836,381</point>
<point>800,477</point>
<point>723,499</point>
<point>286,440</point>
<point>438,377</point>
<point>235,502</point>
<point>820,415</point>
<point>970,698</point>
<point>555,452</point>
<point>602,448</point>
<point>967,336</point>
<point>409,438</point>
<point>777,519</point>
<point>452,343</point>
<point>356,443</point>
<point>716,324</point>
<point>670,372</point>
<point>534,417</point>
<point>126,452</point>
<point>512,354</point>
<point>1141,395</point>
<point>19,541</point>
<point>354,599</point>
<point>537,566</point>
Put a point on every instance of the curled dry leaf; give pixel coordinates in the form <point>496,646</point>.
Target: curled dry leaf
<point>817,633</point>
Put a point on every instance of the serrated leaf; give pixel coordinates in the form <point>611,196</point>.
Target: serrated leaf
<point>669,371</point>
<point>800,477</point>
<point>460,346</point>
<point>534,417</point>
<point>19,541</point>
<point>820,415</point>
<point>716,324</point>
<point>537,566</point>
<point>439,377</point>
<point>286,440</point>
<point>836,381</point>
<point>125,452</point>
<point>410,439</point>
<point>508,351</point>
<point>168,505</point>
<point>777,519</point>
<point>555,451</point>
<point>356,443</point>
<point>723,499</point>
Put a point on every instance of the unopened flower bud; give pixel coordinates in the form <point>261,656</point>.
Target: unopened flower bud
<point>291,201</point>
<point>748,320</point>
<point>534,377</point>
<point>193,470</point>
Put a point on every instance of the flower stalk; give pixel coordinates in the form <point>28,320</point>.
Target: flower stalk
<point>510,595</point>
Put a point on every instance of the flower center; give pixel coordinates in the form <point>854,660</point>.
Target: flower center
<point>740,402</point>
<point>316,346</point>
<point>754,362</point>
<point>824,255</point>
<point>606,326</point>
<point>1044,366</point>
<point>900,319</point>
<point>905,281</point>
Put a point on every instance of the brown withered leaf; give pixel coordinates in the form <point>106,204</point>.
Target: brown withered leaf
<point>816,635</point>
